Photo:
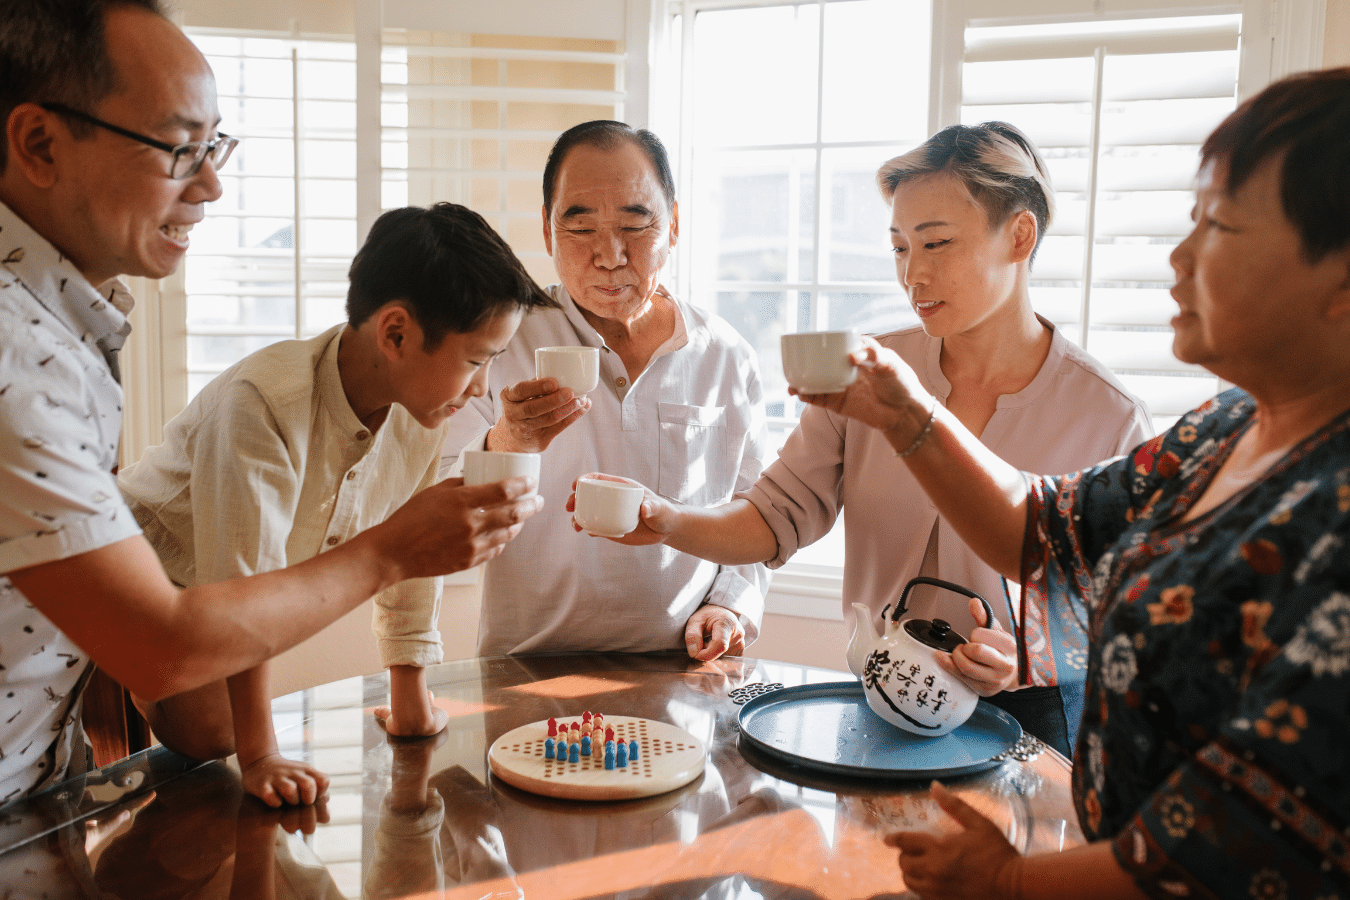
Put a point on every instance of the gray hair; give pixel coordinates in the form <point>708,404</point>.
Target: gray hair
<point>1001,169</point>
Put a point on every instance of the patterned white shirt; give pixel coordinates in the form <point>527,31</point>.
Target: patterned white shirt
<point>60,422</point>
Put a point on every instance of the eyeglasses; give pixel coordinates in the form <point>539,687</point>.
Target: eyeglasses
<point>187,158</point>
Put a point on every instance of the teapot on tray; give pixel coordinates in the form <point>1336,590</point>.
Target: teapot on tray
<point>901,680</point>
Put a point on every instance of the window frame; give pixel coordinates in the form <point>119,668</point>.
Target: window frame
<point>1277,38</point>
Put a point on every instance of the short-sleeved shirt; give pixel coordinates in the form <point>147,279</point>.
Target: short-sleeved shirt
<point>60,423</point>
<point>1215,741</point>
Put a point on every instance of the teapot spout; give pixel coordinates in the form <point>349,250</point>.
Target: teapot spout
<point>864,639</point>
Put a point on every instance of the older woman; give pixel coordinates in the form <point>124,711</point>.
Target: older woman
<point>970,207</point>
<point>1212,756</point>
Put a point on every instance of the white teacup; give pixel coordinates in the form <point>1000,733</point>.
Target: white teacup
<point>487,466</point>
<point>577,368</point>
<point>607,506</point>
<point>816,362</point>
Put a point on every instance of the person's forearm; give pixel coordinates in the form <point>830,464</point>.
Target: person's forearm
<point>254,736</point>
<point>197,723</point>
<point>732,534</point>
<point>982,497</point>
<point>1090,870</point>
<point>158,641</point>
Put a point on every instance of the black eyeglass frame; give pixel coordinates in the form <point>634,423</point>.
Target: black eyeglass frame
<point>195,152</point>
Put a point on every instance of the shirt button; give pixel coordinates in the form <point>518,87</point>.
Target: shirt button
<point>362,435</point>
<point>332,540</point>
<point>351,475</point>
<point>621,381</point>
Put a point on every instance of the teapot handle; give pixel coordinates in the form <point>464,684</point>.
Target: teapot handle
<point>901,606</point>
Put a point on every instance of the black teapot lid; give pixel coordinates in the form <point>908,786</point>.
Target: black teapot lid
<point>937,633</point>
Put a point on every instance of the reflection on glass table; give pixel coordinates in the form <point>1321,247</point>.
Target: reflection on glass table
<point>428,818</point>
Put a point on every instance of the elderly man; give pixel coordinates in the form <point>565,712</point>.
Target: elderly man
<point>109,158</point>
<point>679,407</point>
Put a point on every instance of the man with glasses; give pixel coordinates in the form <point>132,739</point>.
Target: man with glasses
<point>108,160</point>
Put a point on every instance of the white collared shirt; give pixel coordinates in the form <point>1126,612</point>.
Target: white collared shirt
<point>691,427</point>
<point>61,418</point>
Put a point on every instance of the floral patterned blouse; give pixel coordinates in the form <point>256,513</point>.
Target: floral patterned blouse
<point>1215,743</point>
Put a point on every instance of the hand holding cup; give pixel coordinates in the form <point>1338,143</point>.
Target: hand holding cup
<point>882,394</point>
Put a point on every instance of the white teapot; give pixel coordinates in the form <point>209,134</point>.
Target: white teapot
<point>901,680</point>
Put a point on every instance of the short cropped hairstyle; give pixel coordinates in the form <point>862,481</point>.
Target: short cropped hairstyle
<point>1305,119</point>
<point>447,265</point>
<point>999,166</point>
<point>53,51</point>
<point>605,134</point>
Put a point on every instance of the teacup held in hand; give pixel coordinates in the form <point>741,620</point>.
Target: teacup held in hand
<point>487,466</point>
<point>577,368</point>
<point>816,362</point>
<point>607,506</point>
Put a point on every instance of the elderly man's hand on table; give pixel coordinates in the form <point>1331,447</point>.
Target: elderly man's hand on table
<point>534,412</point>
<point>713,631</point>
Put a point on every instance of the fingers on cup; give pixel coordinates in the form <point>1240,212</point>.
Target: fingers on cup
<point>606,505</point>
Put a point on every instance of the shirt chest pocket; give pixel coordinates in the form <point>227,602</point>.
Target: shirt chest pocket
<point>695,465</point>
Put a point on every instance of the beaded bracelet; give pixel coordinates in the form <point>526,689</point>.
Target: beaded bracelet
<point>923,435</point>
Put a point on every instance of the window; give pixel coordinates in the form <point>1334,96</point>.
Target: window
<point>1119,109</point>
<point>784,229</point>
<point>270,260</point>
<point>471,118</point>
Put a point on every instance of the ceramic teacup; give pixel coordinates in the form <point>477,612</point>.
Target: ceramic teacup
<point>577,368</point>
<point>487,466</point>
<point>816,362</point>
<point>607,506</point>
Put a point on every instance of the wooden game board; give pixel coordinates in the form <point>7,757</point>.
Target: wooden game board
<point>668,758</point>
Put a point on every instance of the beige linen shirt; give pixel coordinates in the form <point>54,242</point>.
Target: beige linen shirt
<point>269,466</point>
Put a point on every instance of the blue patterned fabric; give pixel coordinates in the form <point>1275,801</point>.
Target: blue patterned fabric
<point>1213,746</point>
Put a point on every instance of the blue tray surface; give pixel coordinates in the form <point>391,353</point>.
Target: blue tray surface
<point>830,727</point>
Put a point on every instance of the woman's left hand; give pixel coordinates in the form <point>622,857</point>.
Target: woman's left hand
<point>988,661</point>
<point>975,863</point>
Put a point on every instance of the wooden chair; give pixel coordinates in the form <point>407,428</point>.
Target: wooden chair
<point>114,726</point>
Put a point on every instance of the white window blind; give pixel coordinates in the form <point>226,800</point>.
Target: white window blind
<point>270,260</point>
<point>1119,109</point>
<point>470,119</point>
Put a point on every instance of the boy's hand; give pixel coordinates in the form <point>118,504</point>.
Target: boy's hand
<point>534,412</point>
<point>415,723</point>
<point>275,780</point>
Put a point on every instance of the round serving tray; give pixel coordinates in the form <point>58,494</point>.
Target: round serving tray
<point>830,728</point>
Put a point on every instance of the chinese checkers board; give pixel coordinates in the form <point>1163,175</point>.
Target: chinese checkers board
<point>656,757</point>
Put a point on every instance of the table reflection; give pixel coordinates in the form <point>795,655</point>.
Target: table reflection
<point>425,818</point>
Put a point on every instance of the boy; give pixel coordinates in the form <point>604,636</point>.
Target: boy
<point>305,443</point>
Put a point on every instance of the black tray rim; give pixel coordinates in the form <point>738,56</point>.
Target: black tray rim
<point>853,690</point>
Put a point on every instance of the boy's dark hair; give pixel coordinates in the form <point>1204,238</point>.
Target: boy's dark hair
<point>53,51</point>
<point>606,134</point>
<point>446,263</point>
<point>1305,117</point>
